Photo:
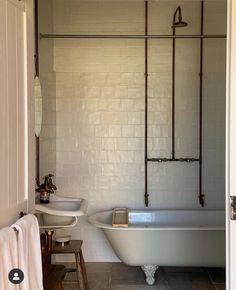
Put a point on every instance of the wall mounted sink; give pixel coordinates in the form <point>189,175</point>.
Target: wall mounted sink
<point>61,212</point>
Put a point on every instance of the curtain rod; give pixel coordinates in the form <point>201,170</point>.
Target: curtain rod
<point>157,36</point>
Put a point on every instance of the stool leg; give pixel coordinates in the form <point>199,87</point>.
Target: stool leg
<point>79,272</point>
<point>84,273</point>
<point>59,287</point>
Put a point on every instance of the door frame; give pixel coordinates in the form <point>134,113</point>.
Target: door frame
<point>230,148</point>
<point>30,31</point>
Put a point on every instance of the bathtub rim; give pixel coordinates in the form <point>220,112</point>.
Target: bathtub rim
<point>93,220</point>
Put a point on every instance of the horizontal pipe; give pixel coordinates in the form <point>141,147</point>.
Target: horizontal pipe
<point>160,36</point>
<point>173,159</point>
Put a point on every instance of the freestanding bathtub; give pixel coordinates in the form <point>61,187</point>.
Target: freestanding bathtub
<point>167,238</point>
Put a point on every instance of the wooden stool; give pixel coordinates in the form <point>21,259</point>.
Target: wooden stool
<point>74,247</point>
<point>53,276</point>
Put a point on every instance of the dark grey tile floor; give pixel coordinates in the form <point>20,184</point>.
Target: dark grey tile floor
<point>118,276</point>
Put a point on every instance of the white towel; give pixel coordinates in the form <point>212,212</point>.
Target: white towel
<point>29,252</point>
<point>8,257</point>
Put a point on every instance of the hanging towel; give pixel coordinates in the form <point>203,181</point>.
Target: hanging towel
<point>29,252</point>
<point>8,257</point>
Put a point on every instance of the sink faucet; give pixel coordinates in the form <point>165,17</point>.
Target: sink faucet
<point>48,184</point>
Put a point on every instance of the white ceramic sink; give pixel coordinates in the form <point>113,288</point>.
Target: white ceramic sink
<point>60,212</point>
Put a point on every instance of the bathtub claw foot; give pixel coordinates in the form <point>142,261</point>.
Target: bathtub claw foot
<point>150,271</point>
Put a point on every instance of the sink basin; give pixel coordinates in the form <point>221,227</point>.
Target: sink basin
<point>60,212</point>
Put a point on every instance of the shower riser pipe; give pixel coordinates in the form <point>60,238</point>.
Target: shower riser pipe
<point>201,195</point>
<point>173,96</point>
<point>146,195</point>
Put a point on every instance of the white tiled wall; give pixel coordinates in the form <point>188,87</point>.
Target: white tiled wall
<point>48,82</point>
<point>100,110</point>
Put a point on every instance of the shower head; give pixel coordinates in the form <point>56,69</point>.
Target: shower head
<point>179,22</point>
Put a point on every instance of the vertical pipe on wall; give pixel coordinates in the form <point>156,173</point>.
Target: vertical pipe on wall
<point>173,93</point>
<point>201,195</point>
<point>37,161</point>
<point>36,27</point>
<point>146,195</point>
<point>36,60</point>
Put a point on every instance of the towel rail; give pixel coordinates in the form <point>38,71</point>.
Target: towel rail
<point>20,216</point>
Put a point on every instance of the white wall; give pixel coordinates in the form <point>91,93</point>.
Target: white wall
<point>100,109</point>
<point>48,82</point>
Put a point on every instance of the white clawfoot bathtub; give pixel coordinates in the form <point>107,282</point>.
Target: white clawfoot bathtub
<point>167,238</point>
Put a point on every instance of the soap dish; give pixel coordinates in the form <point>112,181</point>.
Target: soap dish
<point>63,239</point>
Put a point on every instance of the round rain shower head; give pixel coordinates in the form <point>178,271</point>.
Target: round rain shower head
<point>180,22</point>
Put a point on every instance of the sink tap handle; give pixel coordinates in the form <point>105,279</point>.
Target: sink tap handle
<point>50,183</point>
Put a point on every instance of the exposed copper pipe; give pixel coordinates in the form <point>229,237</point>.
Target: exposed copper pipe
<point>201,195</point>
<point>36,59</point>
<point>36,36</point>
<point>37,161</point>
<point>146,195</point>
<point>173,90</point>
